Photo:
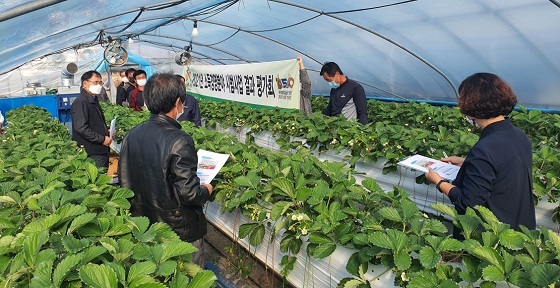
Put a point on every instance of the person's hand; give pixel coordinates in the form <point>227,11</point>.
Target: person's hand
<point>433,176</point>
<point>455,160</point>
<point>208,186</point>
<point>107,141</point>
<point>300,63</point>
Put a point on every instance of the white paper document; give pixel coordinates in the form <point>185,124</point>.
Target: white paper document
<point>421,163</point>
<point>112,127</point>
<point>209,164</point>
<point>115,146</point>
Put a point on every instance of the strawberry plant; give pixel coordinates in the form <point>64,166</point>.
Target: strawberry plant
<point>397,130</point>
<point>315,207</point>
<point>62,223</point>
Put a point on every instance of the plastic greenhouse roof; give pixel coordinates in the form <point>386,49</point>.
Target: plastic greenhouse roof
<point>417,49</point>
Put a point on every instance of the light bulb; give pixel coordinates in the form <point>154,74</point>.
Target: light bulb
<point>195,30</point>
<point>130,41</point>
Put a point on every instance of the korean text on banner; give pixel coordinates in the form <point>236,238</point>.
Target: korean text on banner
<point>274,84</point>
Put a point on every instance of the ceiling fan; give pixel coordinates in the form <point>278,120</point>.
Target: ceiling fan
<point>115,54</point>
<point>184,58</point>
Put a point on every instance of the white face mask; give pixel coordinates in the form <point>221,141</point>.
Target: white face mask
<point>141,82</point>
<point>334,85</point>
<point>179,114</point>
<point>95,89</point>
<point>124,79</point>
<point>471,121</point>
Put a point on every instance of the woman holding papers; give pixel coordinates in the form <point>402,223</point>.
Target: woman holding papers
<point>497,170</point>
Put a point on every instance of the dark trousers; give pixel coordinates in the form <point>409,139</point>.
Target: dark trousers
<point>100,160</point>
<point>199,256</point>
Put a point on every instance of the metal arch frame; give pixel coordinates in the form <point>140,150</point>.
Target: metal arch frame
<point>115,16</point>
<point>185,16</point>
<point>27,8</point>
<point>378,35</point>
<point>200,44</point>
<point>175,19</point>
<point>294,49</point>
<point>252,33</point>
<point>89,24</point>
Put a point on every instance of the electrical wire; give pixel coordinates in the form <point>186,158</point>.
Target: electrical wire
<point>168,6</point>
<point>238,29</point>
<point>336,12</point>
<point>221,9</point>
<point>175,19</point>
<point>156,8</point>
<point>370,8</point>
<point>280,28</point>
<point>142,9</point>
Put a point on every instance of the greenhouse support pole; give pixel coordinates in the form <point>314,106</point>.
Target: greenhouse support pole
<point>24,9</point>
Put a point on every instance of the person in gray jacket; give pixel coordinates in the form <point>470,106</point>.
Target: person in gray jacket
<point>158,161</point>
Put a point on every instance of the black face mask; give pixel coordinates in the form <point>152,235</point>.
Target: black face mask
<point>131,80</point>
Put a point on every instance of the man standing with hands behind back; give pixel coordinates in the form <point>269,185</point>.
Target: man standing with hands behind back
<point>347,97</point>
<point>158,161</point>
<point>89,128</point>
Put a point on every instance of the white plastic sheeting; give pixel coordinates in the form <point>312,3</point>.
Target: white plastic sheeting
<point>47,70</point>
<point>416,49</point>
<point>308,271</point>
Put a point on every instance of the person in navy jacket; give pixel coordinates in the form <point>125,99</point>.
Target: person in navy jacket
<point>347,97</point>
<point>497,172</point>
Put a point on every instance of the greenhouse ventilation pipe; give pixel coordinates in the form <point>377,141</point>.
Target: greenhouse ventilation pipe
<point>24,9</point>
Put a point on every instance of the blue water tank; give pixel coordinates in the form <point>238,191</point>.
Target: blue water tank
<point>49,102</point>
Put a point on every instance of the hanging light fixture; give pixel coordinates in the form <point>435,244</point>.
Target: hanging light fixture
<point>195,30</point>
<point>130,41</point>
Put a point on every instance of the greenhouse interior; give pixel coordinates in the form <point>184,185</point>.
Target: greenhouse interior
<point>302,186</point>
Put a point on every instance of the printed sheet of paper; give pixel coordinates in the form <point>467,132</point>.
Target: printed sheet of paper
<point>209,164</point>
<point>116,147</point>
<point>112,127</point>
<point>421,163</point>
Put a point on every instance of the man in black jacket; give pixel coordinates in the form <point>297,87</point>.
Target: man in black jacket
<point>89,128</point>
<point>192,111</point>
<point>121,89</point>
<point>158,162</point>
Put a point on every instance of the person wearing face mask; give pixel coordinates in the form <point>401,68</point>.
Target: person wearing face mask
<point>130,77</point>
<point>103,95</point>
<point>347,97</point>
<point>158,161</point>
<point>136,97</point>
<point>89,128</point>
<point>121,89</point>
<point>192,111</point>
<point>497,172</point>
